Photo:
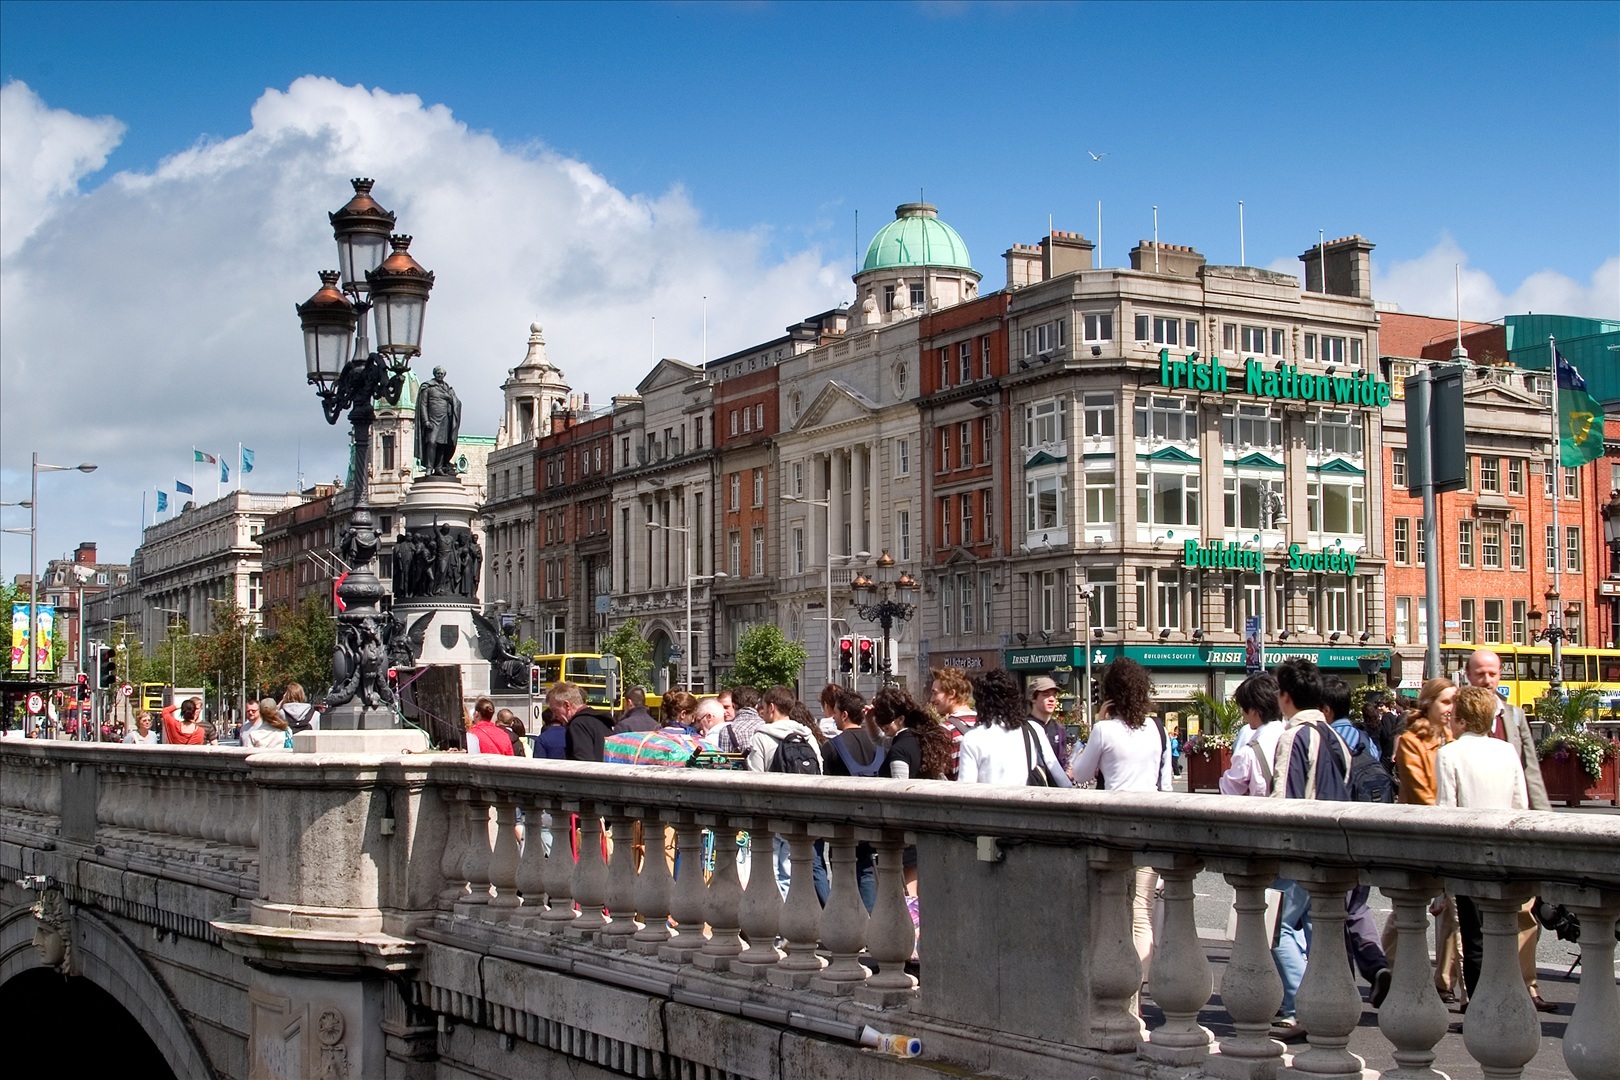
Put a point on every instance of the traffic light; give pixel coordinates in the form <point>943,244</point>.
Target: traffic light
<point>108,668</point>
<point>534,680</point>
<point>846,654</point>
<point>867,651</point>
<point>84,686</point>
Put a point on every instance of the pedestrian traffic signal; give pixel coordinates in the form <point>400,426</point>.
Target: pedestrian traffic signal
<point>868,653</point>
<point>534,680</point>
<point>846,654</point>
<point>108,668</point>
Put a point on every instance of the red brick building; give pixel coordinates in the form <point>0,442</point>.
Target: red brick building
<point>574,529</point>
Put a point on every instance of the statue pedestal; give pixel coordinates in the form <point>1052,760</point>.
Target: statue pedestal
<point>436,589</point>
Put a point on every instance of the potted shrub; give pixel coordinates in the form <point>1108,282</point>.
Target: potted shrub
<point>1577,764</point>
<point>1209,753</point>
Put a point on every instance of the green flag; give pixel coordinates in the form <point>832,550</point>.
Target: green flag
<point>1580,417</point>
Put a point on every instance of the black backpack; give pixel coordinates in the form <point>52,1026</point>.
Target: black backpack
<point>795,755</point>
<point>1370,781</point>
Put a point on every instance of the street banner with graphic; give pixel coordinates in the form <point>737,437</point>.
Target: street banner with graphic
<point>1580,418</point>
<point>44,621</point>
<point>1254,653</point>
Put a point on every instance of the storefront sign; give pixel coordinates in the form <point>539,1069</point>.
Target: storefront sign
<point>1284,383</point>
<point>1220,555</point>
<point>1328,561</point>
<point>1185,656</point>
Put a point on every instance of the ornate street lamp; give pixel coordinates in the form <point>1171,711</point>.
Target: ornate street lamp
<point>394,288</point>
<point>1555,633</point>
<point>888,598</point>
<point>1611,531</point>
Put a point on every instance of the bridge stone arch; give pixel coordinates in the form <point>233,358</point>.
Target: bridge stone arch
<point>106,958</point>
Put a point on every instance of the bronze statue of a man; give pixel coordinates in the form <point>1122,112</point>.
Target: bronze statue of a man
<point>438,422</point>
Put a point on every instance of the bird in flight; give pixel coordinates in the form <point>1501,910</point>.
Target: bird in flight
<point>1098,157</point>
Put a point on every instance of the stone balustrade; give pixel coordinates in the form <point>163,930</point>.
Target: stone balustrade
<point>491,866</point>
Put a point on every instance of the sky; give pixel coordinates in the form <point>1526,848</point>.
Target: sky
<point>688,179</point>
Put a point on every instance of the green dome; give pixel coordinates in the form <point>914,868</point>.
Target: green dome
<point>916,237</point>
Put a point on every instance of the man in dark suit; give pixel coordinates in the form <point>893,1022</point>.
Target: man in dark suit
<point>636,717</point>
<point>586,730</point>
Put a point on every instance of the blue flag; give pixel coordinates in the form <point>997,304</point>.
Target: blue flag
<point>163,501</point>
<point>247,461</point>
<point>182,487</point>
<point>224,473</point>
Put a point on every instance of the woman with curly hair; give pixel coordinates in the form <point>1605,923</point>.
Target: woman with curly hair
<point>919,746</point>
<point>1005,744</point>
<point>1132,755</point>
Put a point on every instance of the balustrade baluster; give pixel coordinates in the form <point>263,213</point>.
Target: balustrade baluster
<point>621,878</point>
<point>1251,989</point>
<point>723,898</point>
<point>1116,970</point>
<point>1500,1030</point>
<point>475,858</point>
<point>503,861</point>
<point>687,901</point>
<point>211,827</point>
<point>1412,1016</point>
<point>1328,1004</point>
<point>652,885</point>
<point>590,875</point>
<point>247,813</point>
<point>455,847</point>
<point>801,912</point>
<point>559,871</point>
<point>844,922</point>
<point>761,911</point>
<point>891,935</point>
<point>1180,974</point>
<point>1591,1049</point>
<point>531,871</point>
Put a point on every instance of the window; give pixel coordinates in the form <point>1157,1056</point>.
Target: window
<point>1403,541</point>
<point>947,602</point>
<point>918,297</point>
<point>1572,548</point>
<point>1490,476</point>
<point>1043,423</point>
<point>757,567</point>
<point>984,440</point>
<point>987,504</point>
<point>1045,338</point>
<point>1143,576</point>
<point>964,590</point>
<point>986,598</point>
<point>1053,595</point>
<point>944,368</point>
<point>964,446</point>
<point>1277,338</point>
<point>1099,327</point>
<point>966,508</point>
<point>1171,418</point>
<point>1251,425</point>
<point>1166,497</point>
<point>1516,545</point>
<point>747,420</point>
<point>1254,339</point>
<point>1548,480</point>
<point>734,553</point>
<point>1490,549</point>
<point>1333,433</point>
<point>1552,550</point>
<point>759,417</point>
<point>1229,337</point>
<point>1043,497</point>
<point>1333,605</point>
<point>944,449</point>
<point>1100,498</point>
<point>798,478</point>
<point>1246,498</point>
<point>1572,625</point>
<point>984,357</point>
<point>388,453</point>
<point>759,487</point>
<point>1515,479</point>
<point>1521,634</point>
<point>1397,469</point>
<point>1336,508</point>
<point>1421,545</point>
<point>902,457</point>
<point>1572,482</point>
<point>1493,621</point>
<point>1399,372</point>
<point>1104,605</point>
<point>1403,620</point>
<point>1465,544</point>
<point>736,492</point>
<point>735,421</point>
<point>964,359</point>
<point>1190,337</point>
<point>902,532</point>
<point>1468,618</point>
<point>1327,349</point>
<point>1099,415</point>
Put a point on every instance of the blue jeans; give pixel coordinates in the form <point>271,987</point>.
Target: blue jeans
<point>1292,944</point>
<point>865,874</point>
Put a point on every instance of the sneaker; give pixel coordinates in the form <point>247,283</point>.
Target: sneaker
<point>1380,986</point>
<point>1287,1029</point>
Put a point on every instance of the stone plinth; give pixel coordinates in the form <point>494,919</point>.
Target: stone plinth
<point>438,504</point>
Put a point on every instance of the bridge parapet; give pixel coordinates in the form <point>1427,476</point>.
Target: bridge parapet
<point>498,935</point>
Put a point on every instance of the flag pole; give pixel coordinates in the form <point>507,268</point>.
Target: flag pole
<point>1555,608</point>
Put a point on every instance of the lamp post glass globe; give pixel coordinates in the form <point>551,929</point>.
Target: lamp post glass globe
<point>362,229</point>
<point>399,295</point>
<point>328,320</point>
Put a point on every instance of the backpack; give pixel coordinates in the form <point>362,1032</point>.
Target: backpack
<point>1369,780</point>
<point>795,755</point>
<point>870,769</point>
<point>297,714</point>
<point>1038,774</point>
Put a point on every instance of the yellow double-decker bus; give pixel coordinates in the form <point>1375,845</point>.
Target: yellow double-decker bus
<point>596,676</point>
<point>1527,669</point>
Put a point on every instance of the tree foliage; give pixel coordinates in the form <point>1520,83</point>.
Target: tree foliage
<point>300,648</point>
<point>765,657</point>
<point>634,653</point>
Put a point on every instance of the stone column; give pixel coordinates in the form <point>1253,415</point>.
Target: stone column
<point>844,922</point>
<point>722,900</point>
<point>761,911</point>
<point>1116,970</point>
<point>652,885</point>
<point>503,862</point>
<point>686,905</point>
<point>1591,1048</point>
<point>1328,1003</point>
<point>1412,1017</point>
<point>559,871</point>
<point>1181,979</point>
<point>590,875</point>
<point>892,937</point>
<point>1500,1030</point>
<point>1251,989</point>
<point>801,913</point>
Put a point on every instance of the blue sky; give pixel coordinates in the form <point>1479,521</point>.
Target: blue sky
<point>666,152</point>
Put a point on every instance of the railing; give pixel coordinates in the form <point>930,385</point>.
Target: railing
<point>1027,964</point>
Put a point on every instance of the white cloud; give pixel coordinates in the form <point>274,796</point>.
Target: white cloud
<point>155,311</point>
<point>1427,285</point>
<point>44,153</point>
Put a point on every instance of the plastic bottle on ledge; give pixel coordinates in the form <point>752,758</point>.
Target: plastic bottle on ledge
<point>902,1046</point>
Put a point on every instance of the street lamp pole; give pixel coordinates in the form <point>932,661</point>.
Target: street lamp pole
<point>35,468</point>
<point>883,601</point>
<point>1086,595</point>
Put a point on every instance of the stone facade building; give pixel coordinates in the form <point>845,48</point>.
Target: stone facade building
<point>72,586</point>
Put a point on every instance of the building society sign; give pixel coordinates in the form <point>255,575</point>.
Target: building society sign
<point>1221,555</point>
<point>1285,383</point>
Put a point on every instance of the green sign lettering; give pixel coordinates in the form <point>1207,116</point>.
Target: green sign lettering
<point>1284,382</point>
